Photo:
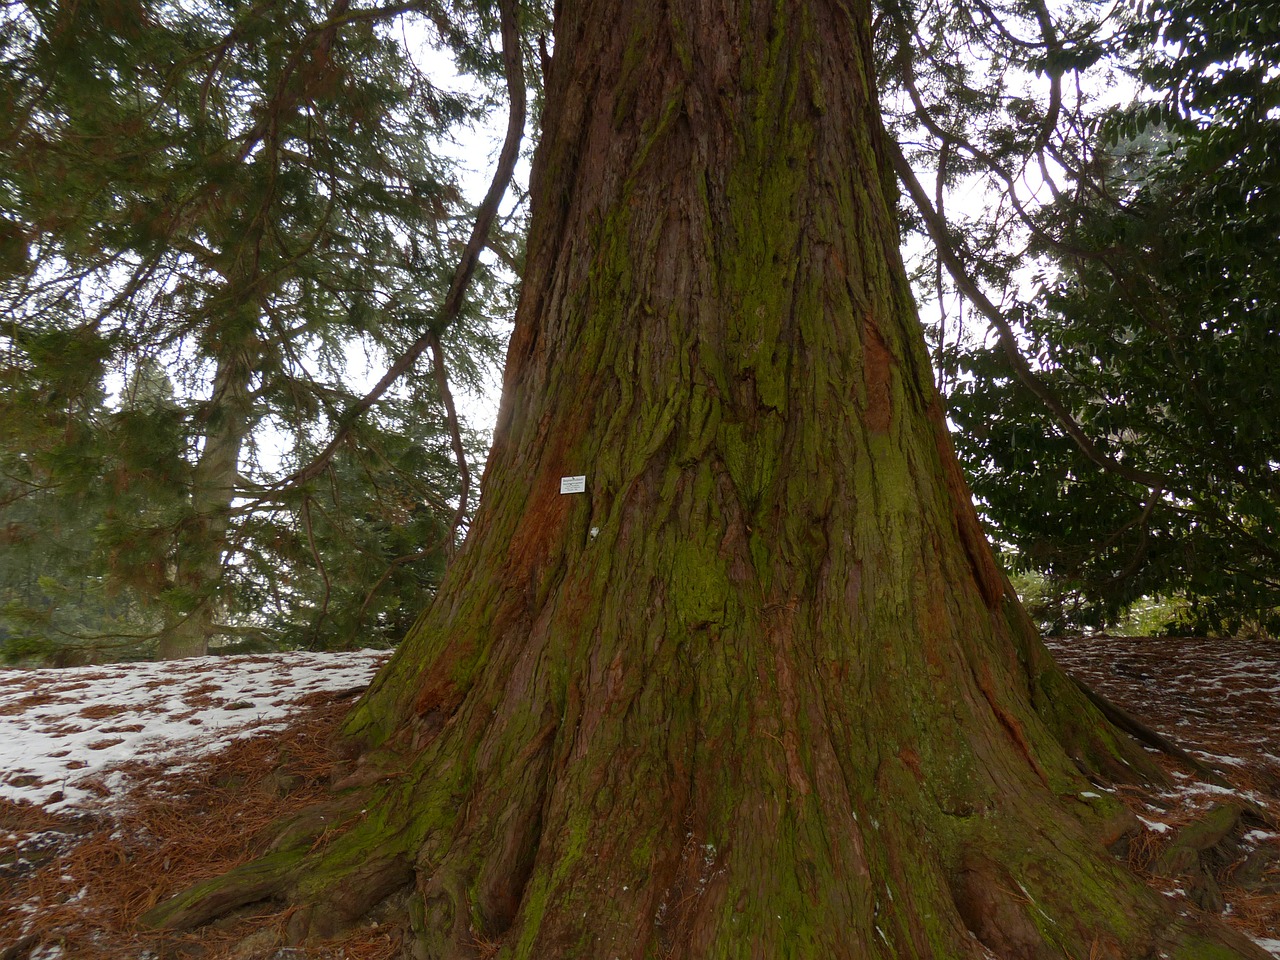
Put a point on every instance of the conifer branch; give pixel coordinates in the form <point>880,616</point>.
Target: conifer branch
<point>320,567</point>
<point>455,298</point>
<point>386,574</point>
<point>455,438</point>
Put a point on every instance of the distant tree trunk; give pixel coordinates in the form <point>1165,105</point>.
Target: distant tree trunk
<point>202,541</point>
<point>759,691</point>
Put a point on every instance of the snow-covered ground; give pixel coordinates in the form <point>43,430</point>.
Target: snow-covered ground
<point>64,733</point>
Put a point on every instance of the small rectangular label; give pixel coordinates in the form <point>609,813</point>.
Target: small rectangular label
<point>573,484</point>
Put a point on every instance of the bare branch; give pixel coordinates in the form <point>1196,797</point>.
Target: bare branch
<point>1022,370</point>
<point>455,438</point>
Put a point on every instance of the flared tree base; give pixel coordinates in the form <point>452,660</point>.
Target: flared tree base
<point>644,823</point>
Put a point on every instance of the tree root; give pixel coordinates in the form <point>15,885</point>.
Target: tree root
<point>263,879</point>
<point>352,899</point>
<point>1208,855</point>
<point>1131,725</point>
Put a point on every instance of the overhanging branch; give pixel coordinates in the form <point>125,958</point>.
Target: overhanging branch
<point>937,228</point>
<point>467,264</point>
<point>455,439</point>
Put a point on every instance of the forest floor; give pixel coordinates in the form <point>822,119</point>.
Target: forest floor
<point>120,786</point>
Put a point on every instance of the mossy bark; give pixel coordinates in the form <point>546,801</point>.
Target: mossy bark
<point>761,690</point>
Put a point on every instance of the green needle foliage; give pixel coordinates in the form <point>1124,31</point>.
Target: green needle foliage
<point>213,215</point>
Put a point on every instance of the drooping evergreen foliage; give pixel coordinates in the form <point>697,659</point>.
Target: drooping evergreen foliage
<point>254,202</point>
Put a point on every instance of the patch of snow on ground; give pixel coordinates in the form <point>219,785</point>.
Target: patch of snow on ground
<point>62,728</point>
<point>1258,836</point>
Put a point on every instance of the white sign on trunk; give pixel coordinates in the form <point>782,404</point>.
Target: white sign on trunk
<point>573,484</point>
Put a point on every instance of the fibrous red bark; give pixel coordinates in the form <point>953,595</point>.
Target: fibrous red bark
<point>760,690</point>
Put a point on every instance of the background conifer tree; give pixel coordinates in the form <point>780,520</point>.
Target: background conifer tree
<point>247,197</point>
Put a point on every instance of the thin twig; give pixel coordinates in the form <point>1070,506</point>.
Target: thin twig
<point>455,438</point>
<point>391,567</point>
<point>455,298</point>
<point>1022,370</point>
<point>1143,523</point>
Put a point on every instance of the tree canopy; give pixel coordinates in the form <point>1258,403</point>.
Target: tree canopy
<point>1119,426</point>
<point>258,206</point>
<point>215,217</point>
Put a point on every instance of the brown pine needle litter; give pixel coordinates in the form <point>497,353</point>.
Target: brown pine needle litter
<point>1218,698</point>
<point>178,824</point>
<point>79,881</point>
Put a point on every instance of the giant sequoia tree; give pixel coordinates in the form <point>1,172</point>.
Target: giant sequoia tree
<point>760,690</point>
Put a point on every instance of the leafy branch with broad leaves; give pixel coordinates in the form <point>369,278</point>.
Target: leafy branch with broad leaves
<point>1113,401</point>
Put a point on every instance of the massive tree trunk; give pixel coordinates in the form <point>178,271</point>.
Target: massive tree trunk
<point>760,690</point>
